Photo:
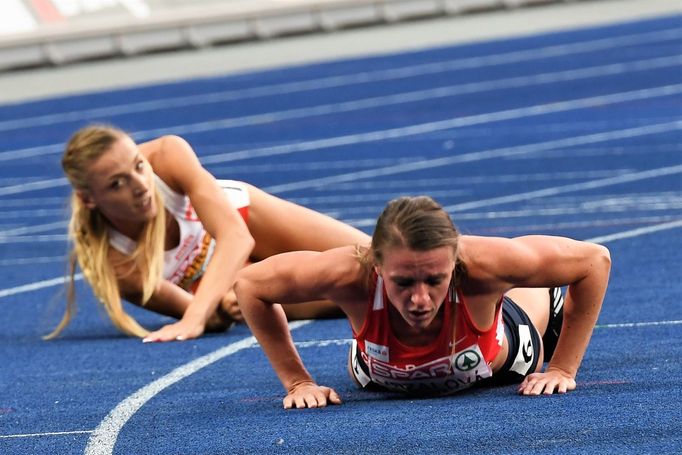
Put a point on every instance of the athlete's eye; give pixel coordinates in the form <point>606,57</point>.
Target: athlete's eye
<point>434,281</point>
<point>404,282</point>
<point>117,183</point>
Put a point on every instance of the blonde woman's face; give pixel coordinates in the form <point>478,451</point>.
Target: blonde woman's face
<point>120,185</point>
<point>417,282</point>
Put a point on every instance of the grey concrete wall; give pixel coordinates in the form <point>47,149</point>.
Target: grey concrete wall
<point>165,25</point>
<point>80,77</point>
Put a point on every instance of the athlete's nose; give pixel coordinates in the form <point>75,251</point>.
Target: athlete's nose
<point>420,294</point>
<point>139,185</point>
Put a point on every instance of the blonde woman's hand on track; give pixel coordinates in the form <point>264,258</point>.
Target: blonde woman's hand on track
<point>185,329</point>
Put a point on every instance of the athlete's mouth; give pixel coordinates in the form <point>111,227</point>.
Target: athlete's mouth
<point>145,203</point>
<point>419,314</point>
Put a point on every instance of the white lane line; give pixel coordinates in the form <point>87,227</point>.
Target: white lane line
<point>33,213</point>
<point>599,183</point>
<point>34,239</point>
<point>34,186</point>
<point>504,152</point>
<point>425,128</point>
<point>468,180</point>
<point>451,123</point>
<point>51,433</point>
<point>31,261</point>
<point>637,232</point>
<point>627,325</point>
<point>104,437</point>
<point>350,79</point>
<point>37,285</point>
<point>567,210</point>
<point>29,202</point>
<point>573,225</point>
<point>412,97</point>
<point>562,189</point>
<point>34,228</point>
<point>346,342</point>
<point>345,107</point>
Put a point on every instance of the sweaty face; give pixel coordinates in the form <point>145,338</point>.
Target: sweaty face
<point>121,186</point>
<point>417,282</point>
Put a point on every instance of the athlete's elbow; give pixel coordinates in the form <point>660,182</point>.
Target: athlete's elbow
<point>603,258</point>
<point>246,285</point>
<point>238,238</point>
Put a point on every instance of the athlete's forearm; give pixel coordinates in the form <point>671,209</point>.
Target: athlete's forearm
<point>268,323</point>
<point>219,277</point>
<point>581,310</point>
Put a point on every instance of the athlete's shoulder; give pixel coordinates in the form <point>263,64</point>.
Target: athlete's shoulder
<point>172,160</point>
<point>164,147</point>
<point>343,269</point>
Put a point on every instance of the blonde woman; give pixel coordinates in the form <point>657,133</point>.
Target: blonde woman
<point>433,311</point>
<point>150,225</point>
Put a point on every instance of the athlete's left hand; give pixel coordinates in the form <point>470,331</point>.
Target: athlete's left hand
<point>185,329</point>
<point>548,382</point>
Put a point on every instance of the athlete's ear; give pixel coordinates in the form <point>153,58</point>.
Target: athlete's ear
<point>86,199</point>
<point>377,269</point>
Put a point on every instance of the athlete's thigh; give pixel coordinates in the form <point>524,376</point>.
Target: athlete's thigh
<point>279,226</point>
<point>535,302</point>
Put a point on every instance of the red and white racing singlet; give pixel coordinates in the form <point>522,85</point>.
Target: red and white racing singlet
<point>377,356</point>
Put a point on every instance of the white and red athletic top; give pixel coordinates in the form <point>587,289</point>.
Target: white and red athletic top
<point>378,356</point>
<point>185,264</point>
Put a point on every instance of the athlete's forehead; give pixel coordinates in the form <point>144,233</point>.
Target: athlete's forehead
<point>122,153</point>
<point>402,261</point>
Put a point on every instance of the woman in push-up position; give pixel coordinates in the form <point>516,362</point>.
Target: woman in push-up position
<point>433,311</point>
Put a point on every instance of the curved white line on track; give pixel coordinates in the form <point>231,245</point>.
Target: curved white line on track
<point>104,437</point>
<point>346,342</point>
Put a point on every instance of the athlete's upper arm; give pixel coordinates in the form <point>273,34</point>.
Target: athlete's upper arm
<point>542,261</point>
<point>179,167</point>
<point>300,276</point>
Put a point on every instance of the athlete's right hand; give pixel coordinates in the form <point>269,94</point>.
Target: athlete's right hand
<point>310,395</point>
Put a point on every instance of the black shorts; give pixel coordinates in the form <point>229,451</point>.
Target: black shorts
<point>524,345</point>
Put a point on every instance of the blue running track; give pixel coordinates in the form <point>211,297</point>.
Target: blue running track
<point>577,133</point>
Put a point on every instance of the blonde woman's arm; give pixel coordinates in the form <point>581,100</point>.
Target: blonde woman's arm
<point>176,163</point>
